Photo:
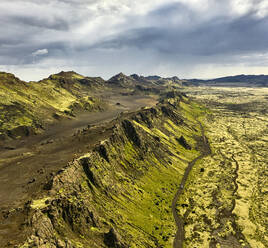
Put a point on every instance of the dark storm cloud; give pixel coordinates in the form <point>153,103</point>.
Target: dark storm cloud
<point>42,23</point>
<point>29,26</point>
<point>139,36</point>
<point>219,35</point>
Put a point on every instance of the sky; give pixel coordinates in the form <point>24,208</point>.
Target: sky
<point>184,38</point>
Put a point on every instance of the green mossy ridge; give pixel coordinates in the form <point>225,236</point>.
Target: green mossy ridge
<point>146,204</point>
<point>132,192</point>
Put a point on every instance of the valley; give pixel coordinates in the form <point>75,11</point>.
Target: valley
<point>134,124</point>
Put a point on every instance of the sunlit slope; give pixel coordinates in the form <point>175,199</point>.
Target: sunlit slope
<point>26,107</point>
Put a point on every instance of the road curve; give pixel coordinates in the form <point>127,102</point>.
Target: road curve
<point>205,151</point>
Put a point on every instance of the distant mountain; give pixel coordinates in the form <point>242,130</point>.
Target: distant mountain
<point>143,83</point>
<point>121,80</point>
<point>140,79</point>
<point>157,80</point>
<point>153,78</point>
<point>239,80</point>
<point>27,107</point>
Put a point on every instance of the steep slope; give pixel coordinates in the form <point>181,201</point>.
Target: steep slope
<point>119,194</point>
<point>26,107</point>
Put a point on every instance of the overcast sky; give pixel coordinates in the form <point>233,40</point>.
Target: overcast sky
<point>186,38</point>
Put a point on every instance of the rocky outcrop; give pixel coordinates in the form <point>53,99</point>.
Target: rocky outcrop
<point>131,132</point>
<point>85,162</point>
<point>184,143</point>
<point>112,240</point>
<point>122,80</point>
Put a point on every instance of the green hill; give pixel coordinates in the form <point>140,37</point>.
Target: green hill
<point>26,107</point>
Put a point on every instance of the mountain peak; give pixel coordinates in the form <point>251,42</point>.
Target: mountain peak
<point>66,74</point>
<point>154,77</point>
<point>120,75</point>
<point>121,80</point>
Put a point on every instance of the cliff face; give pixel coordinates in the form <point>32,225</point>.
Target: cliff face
<point>119,194</point>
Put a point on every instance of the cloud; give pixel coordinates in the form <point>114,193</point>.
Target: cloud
<point>40,52</point>
<point>100,37</point>
<point>187,36</point>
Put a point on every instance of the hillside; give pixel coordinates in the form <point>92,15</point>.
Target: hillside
<point>157,80</point>
<point>27,107</point>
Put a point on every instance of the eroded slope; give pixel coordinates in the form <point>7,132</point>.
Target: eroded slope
<point>120,193</point>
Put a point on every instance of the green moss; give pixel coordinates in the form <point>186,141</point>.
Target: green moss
<point>79,245</point>
<point>77,76</point>
<point>144,188</point>
<point>94,229</point>
<point>148,205</point>
<point>146,129</point>
<point>40,203</point>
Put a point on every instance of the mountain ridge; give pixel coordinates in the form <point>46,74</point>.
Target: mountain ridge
<point>118,172</point>
<point>27,106</point>
<point>135,173</point>
<point>259,80</point>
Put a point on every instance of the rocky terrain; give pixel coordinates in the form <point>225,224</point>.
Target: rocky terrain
<point>131,162</point>
<point>28,107</point>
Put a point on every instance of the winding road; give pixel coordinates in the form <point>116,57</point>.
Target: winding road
<point>179,220</point>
